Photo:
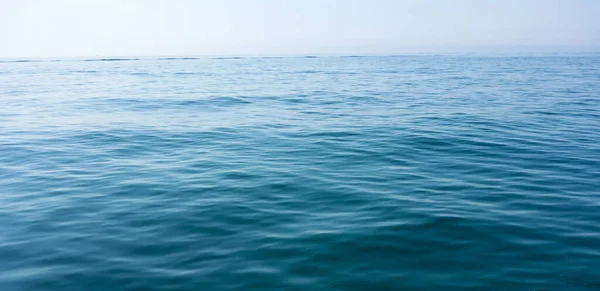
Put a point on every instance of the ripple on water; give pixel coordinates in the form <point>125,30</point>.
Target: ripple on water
<point>328,173</point>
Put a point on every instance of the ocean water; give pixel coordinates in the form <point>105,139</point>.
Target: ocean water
<point>419,172</point>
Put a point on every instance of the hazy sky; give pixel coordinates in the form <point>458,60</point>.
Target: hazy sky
<point>52,28</point>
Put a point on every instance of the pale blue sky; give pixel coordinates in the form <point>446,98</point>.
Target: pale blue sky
<point>53,28</point>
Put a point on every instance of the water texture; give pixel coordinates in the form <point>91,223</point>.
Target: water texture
<point>450,172</point>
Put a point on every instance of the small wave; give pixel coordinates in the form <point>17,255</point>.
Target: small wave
<point>230,100</point>
<point>185,74</point>
<point>228,58</point>
<point>162,104</point>
<point>109,60</point>
<point>21,61</point>
<point>388,71</point>
<point>177,59</point>
<point>85,71</point>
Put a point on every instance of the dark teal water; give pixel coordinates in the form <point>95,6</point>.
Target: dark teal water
<point>328,173</point>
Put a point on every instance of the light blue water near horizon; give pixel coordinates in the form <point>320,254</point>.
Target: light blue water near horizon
<point>418,172</point>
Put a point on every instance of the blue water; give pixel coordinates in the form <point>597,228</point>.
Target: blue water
<point>423,172</point>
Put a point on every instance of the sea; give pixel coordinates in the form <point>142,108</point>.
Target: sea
<point>401,172</point>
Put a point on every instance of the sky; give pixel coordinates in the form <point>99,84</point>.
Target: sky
<point>70,28</point>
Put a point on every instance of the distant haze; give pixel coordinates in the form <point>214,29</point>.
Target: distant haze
<point>37,28</point>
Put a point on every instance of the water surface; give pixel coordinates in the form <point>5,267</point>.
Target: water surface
<point>464,172</point>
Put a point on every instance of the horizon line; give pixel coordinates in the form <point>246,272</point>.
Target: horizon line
<point>250,55</point>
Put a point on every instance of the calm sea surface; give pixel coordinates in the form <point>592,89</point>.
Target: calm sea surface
<point>421,172</point>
